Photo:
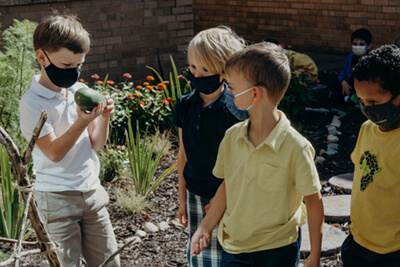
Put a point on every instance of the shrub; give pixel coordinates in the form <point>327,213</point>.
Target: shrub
<point>129,202</point>
<point>112,162</point>
<point>16,71</point>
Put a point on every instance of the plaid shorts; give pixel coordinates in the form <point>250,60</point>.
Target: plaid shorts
<point>195,212</point>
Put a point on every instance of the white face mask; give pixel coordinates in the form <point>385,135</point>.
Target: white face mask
<point>242,94</point>
<point>360,50</point>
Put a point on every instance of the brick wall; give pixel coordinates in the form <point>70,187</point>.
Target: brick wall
<point>125,34</point>
<point>308,25</point>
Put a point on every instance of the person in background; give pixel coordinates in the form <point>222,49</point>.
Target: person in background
<point>361,42</point>
<point>397,41</point>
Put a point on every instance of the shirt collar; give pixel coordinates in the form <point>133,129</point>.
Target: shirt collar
<point>43,91</point>
<point>275,138</point>
<point>220,101</point>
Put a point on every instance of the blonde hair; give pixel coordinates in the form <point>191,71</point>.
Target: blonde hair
<point>213,47</point>
<point>263,64</point>
<point>61,30</point>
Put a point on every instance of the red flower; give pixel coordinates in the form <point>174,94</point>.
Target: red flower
<point>127,75</point>
<point>95,76</point>
<point>129,97</point>
<point>110,82</point>
<point>117,90</point>
<point>169,99</point>
<point>132,108</point>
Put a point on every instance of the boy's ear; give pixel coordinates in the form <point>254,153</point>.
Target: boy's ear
<point>41,57</point>
<point>257,94</point>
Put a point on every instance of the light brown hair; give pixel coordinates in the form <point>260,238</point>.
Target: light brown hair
<point>213,47</point>
<point>263,64</point>
<point>61,30</point>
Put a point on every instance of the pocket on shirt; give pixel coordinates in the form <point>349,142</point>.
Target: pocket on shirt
<point>272,178</point>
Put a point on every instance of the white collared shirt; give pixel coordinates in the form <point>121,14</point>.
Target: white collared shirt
<point>79,169</point>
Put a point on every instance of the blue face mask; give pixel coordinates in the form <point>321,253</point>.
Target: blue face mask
<point>64,78</point>
<point>386,115</point>
<point>206,85</point>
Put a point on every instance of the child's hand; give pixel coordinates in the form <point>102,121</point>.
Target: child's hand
<point>182,215</point>
<point>109,110</point>
<point>345,88</point>
<point>312,261</point>
<point>200,240</point>
<point>85,118</point>
<point>207,207</point>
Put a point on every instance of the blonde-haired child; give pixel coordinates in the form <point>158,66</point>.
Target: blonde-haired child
<point>267,170</point>
<point>203,116</point>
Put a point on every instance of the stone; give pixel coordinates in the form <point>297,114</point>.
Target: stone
<point>343,182</point>
<point>332,138</point>
<point>319,160</point>
<point>163,226</point>
<point>337,208</point>
<point>331,152</point>
<point>150,227</point>
<point>333,146</point>
<point>340,113</point>
<point>331,128</point>
<point>336,124</point>
<point>140,233</point>
<point>322,151</point>
<point>331,241</point>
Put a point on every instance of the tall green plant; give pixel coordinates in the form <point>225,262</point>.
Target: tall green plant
<point>16,71</point>
<point>12,209</point>
<point>143,163</point>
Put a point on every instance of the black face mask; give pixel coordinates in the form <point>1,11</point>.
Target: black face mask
<point>206,85</point>
<point>386,115</point>
<point>62,77</point>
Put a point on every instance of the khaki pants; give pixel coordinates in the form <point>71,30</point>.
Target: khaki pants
<point>79,223</point>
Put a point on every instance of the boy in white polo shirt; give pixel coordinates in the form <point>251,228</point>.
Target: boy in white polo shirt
<point>70,197</point>
<point>267,167</point>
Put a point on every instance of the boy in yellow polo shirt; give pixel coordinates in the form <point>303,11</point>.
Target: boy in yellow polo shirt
<point>267,167</point>
<point>375,198</point>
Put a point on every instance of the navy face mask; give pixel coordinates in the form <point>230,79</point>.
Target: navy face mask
<point>64,78</point>
<point>386,115</point>
<point>206,85</point>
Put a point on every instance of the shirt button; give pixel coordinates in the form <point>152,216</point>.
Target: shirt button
<point>197,127</point>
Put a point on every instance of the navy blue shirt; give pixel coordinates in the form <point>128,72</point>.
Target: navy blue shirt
<point>202,132</point>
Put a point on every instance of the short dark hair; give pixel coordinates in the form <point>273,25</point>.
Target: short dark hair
<point>381,66</point>
<point>61,31</point>
<point>362,34</point>
<point>263,64</point>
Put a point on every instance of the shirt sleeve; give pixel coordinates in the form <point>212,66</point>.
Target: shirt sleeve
<point>177,118</point>
<point>30,111</point>
<point>347,69</point>
<point>306,174</point>
<point>219,170</point>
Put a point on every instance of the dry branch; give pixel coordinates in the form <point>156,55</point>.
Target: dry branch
<point>23,254</point>
<point>20,171</point>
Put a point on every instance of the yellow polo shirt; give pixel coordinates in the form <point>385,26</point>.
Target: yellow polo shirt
<point>375,198</point>
<point>264,187</point>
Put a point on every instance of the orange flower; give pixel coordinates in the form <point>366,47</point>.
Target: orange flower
<point>165,102</point>
<point>142,103</point>
<point>82,80</point>
<point>169,99</point>
<point>122,148</point>
<point>117,90</point>
<point>110,82</point>
<point>148,101</point>
<point>100,82</point>
<point>145,83</point>
<point>137,95</point>
<point>161,86</point>
<point>139,87</point>
<point>150,78</point>
<point>149,87</point>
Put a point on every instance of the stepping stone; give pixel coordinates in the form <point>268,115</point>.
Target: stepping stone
<point>332,240</point>
<point>337,208</point>
<point>343,181</point>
